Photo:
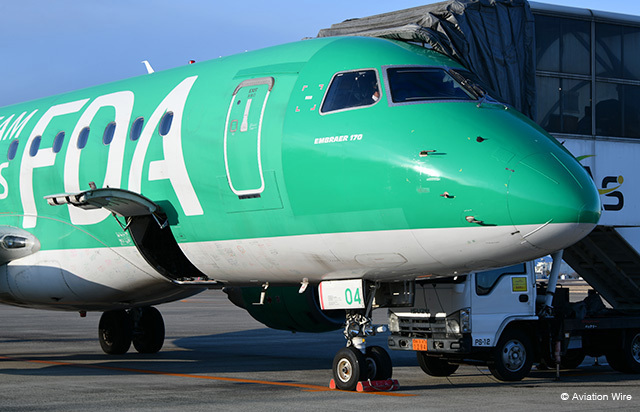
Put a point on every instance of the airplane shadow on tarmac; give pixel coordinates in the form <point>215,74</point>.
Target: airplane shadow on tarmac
<point>259,350</point>
<point>265,350</point>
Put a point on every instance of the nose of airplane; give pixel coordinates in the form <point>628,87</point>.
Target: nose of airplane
<point>552,200</point>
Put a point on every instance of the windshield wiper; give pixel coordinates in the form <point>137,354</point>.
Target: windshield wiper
<point>469,85</point>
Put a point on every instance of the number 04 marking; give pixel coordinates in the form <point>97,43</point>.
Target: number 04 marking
<point>350,297</point>
<point>341,294</point>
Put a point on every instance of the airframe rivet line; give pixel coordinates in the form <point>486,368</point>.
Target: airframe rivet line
<point>305,387</point>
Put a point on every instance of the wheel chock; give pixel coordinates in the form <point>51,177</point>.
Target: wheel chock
<point>372,386</point>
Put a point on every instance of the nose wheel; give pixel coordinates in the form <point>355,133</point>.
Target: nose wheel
<point>349,368</point>
<point>357,362</point>
<point>379,366</point>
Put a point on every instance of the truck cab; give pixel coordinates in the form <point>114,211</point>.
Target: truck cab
<point>501,318</point>
<point>462,318</point>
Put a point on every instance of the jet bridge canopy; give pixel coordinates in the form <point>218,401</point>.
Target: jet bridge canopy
<point>492,38</point>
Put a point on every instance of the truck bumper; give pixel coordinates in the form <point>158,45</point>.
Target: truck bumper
<point>456,344</point>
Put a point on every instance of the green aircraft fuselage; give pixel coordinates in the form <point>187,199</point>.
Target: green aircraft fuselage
<point>280,164</point>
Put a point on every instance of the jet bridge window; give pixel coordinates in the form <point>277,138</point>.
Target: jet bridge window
<point>487,280</point>
<point>418,84</point>
<point>353,89</point>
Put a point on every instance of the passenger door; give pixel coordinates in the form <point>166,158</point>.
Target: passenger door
<point>242,136</point>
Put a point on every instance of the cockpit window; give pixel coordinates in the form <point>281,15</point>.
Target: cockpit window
<point>415,84</point>
<point>350,90</point>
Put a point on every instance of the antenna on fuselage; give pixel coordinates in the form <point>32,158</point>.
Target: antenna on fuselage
<point>148,66</point>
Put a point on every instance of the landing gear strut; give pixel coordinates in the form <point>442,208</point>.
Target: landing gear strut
<point>357,362</point>
<point>142,326</point>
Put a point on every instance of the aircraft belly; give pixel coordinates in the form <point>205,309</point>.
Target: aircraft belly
<point>316,257</point>
<point>371,255</point>
<point>89,279</point>
<point>382,255</point>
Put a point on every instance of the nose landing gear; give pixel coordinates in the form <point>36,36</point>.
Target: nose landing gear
<point>357,362</point>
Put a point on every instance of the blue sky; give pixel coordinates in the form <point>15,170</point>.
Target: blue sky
<point>49,47</point>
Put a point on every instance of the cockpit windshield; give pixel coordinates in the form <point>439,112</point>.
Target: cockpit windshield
<point>415,84</point>
<point>353,89</point>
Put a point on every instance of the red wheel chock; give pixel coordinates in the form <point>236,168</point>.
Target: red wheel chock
<point>372,386</point>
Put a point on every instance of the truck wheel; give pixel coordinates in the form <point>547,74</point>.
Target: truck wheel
<point>631,350</point>
<point>512,357</point>
<point>435,366</point>
<point>625,357</point>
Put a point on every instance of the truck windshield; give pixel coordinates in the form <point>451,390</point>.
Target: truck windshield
<point>415,84</point>
<point>485,281</point>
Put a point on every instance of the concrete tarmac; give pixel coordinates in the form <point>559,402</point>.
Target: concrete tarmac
<point>216,357</point>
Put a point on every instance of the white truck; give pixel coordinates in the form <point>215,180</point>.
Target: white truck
<point>504,319</point>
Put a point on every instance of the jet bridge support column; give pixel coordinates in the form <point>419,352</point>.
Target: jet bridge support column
<point>547,309</point>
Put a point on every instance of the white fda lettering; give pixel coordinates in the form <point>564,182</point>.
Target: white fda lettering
<point>13,130</point>
<point>43,158</point>
<point>3,182</point>
<point>172,167</point>
<point>122,102</point>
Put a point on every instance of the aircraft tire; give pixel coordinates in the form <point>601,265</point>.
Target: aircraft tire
<point>379,365</point>
<point>349,367</point>
<point>114,332</point>
<point>148,336</point>
<point>433,366</point>
<point>512,357</point>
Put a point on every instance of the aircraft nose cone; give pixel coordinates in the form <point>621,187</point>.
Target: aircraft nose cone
<point>552,201</point>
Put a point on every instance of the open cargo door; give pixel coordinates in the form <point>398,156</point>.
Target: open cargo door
<point>148,226</point>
